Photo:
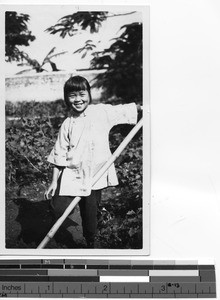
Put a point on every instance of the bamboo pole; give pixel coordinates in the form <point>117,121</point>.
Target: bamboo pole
<point>97,176</point>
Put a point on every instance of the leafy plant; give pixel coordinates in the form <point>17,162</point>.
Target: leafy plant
<point>123,61</point>
<point>38,67</point>
<point>72,24</point>
<point>126,234</point>
<point>89,46</point>
<point>16,34</point>
<point>32,109</point>
<point>28,142</point>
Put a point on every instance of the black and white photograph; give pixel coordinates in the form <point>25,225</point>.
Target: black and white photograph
<point>110,145</point>
<point>77,137</point>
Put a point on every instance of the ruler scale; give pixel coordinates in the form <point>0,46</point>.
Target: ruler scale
<point>75,278</point>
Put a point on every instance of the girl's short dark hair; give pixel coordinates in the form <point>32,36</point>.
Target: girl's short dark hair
<point>76,84</point>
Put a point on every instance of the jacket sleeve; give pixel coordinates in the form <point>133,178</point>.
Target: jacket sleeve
<point>58,154</point>
<point>121,114</point>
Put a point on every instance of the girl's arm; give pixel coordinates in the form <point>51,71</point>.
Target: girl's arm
<point>122,113</point>
<point>52,188</point>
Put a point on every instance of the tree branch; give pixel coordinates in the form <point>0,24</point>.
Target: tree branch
<point>119,15</point>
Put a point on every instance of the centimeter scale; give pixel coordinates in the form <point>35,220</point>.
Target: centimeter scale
<point>76,278</point>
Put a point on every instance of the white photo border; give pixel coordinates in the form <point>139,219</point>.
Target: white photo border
<point>145,10</point>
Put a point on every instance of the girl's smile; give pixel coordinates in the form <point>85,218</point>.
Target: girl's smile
<point>79,100</point>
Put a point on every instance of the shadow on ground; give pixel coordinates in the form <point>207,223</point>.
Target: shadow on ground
<point>34,220</point>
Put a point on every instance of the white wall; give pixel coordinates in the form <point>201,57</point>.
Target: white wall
<point>46,86</point>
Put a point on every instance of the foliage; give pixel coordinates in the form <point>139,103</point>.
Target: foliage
<point>71,24</point>
<point>34,109</point>
<point>122,60</point>
<point>38,67</point>
<point>89,46</point>
<point>16,34</point>
<point>125,234</point>
<point>28,141</point>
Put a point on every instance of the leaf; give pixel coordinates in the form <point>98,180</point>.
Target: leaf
<point>132,232</point>
<point>84,54</point>
<point>24,71</point>
<point>51,51</point>
<point>58,54</point>
<point>130,213</point>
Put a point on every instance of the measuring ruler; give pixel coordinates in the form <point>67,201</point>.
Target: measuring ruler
<point>76,278</point>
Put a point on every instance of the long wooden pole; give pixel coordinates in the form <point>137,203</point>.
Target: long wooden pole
<point>97,176</point>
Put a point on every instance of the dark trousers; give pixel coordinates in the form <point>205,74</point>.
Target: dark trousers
<point>88,210</point>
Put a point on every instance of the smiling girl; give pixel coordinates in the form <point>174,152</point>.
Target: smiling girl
<point>81,149</point>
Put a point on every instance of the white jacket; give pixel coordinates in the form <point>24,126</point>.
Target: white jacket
<point>82,147</point>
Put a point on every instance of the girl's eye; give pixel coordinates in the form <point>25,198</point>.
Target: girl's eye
<point>75,95</point>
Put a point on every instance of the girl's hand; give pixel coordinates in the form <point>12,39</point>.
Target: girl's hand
<point>51,190</point>
<point>139,108</point>
<point>139,111</point>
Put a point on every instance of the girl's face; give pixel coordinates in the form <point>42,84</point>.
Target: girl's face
<point>79,100</point>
